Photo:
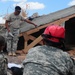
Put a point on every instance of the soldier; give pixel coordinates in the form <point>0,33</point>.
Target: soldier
<point>13,27</point>
<point>3,59</point>
<point>49,59</point>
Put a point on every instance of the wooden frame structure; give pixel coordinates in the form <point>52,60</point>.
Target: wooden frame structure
<point>27,35</point>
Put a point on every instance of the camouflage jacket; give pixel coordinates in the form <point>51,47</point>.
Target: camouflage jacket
<point>3,64</point>
<point>48,60</point>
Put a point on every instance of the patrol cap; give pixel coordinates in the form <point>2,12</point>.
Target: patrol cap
<point>17,8</point>
<point>54,33</point>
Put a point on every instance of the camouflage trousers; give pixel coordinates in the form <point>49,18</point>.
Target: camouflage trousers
<point>12,41</point>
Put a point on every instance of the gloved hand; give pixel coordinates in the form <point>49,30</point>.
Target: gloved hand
<point>11,34</point>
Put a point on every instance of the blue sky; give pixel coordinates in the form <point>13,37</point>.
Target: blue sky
<point>33,6</point>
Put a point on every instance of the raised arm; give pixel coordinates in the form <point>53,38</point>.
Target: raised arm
<point>28,21</point>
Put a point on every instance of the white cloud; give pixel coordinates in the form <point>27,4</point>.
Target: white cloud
<point>2,21</point>
<point>19,0</point>
<point>31,5</point>
<point>72,3</point>
<point>36,5</point>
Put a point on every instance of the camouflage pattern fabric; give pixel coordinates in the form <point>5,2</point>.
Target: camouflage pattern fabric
<point>3,64</point>
<point>47,60</point>
<point>12,41</point>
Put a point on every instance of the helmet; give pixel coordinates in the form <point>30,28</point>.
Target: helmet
<point>54,33</point>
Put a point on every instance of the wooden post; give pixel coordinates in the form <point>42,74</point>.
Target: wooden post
<point>26,38</point>
<point>33,44</point>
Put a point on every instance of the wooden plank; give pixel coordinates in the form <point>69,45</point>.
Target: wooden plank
<point>26,38</point>
<point>32,31</point>
<point>33,38</point>
<point>25,44</point>
<point>33,44</point>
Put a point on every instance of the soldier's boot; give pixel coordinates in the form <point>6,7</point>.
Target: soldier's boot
<point>13,53</point>
<point>9,53</point>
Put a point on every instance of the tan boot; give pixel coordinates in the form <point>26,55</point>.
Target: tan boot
<point>9,53</point>
<point>13,53</point>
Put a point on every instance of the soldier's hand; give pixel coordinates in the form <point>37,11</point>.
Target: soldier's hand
<point>36,26</point>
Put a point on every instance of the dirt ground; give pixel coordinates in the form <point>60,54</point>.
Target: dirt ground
<point>16,59</point>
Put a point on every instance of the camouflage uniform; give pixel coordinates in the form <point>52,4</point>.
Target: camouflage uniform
<point>3,64</point>
<point>12,41</point>
<point>14,27</point>
<point>48,60</point>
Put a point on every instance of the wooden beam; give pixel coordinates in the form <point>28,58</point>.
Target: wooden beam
<point>25,44</point>
<point>33,38</point>
<point>33,44</point>
<point>26,38</point>
<point>32,31</point>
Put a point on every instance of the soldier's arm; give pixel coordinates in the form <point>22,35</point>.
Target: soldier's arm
<point>6,25</point>
<point>28,21</point>
<point>72,70</point>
